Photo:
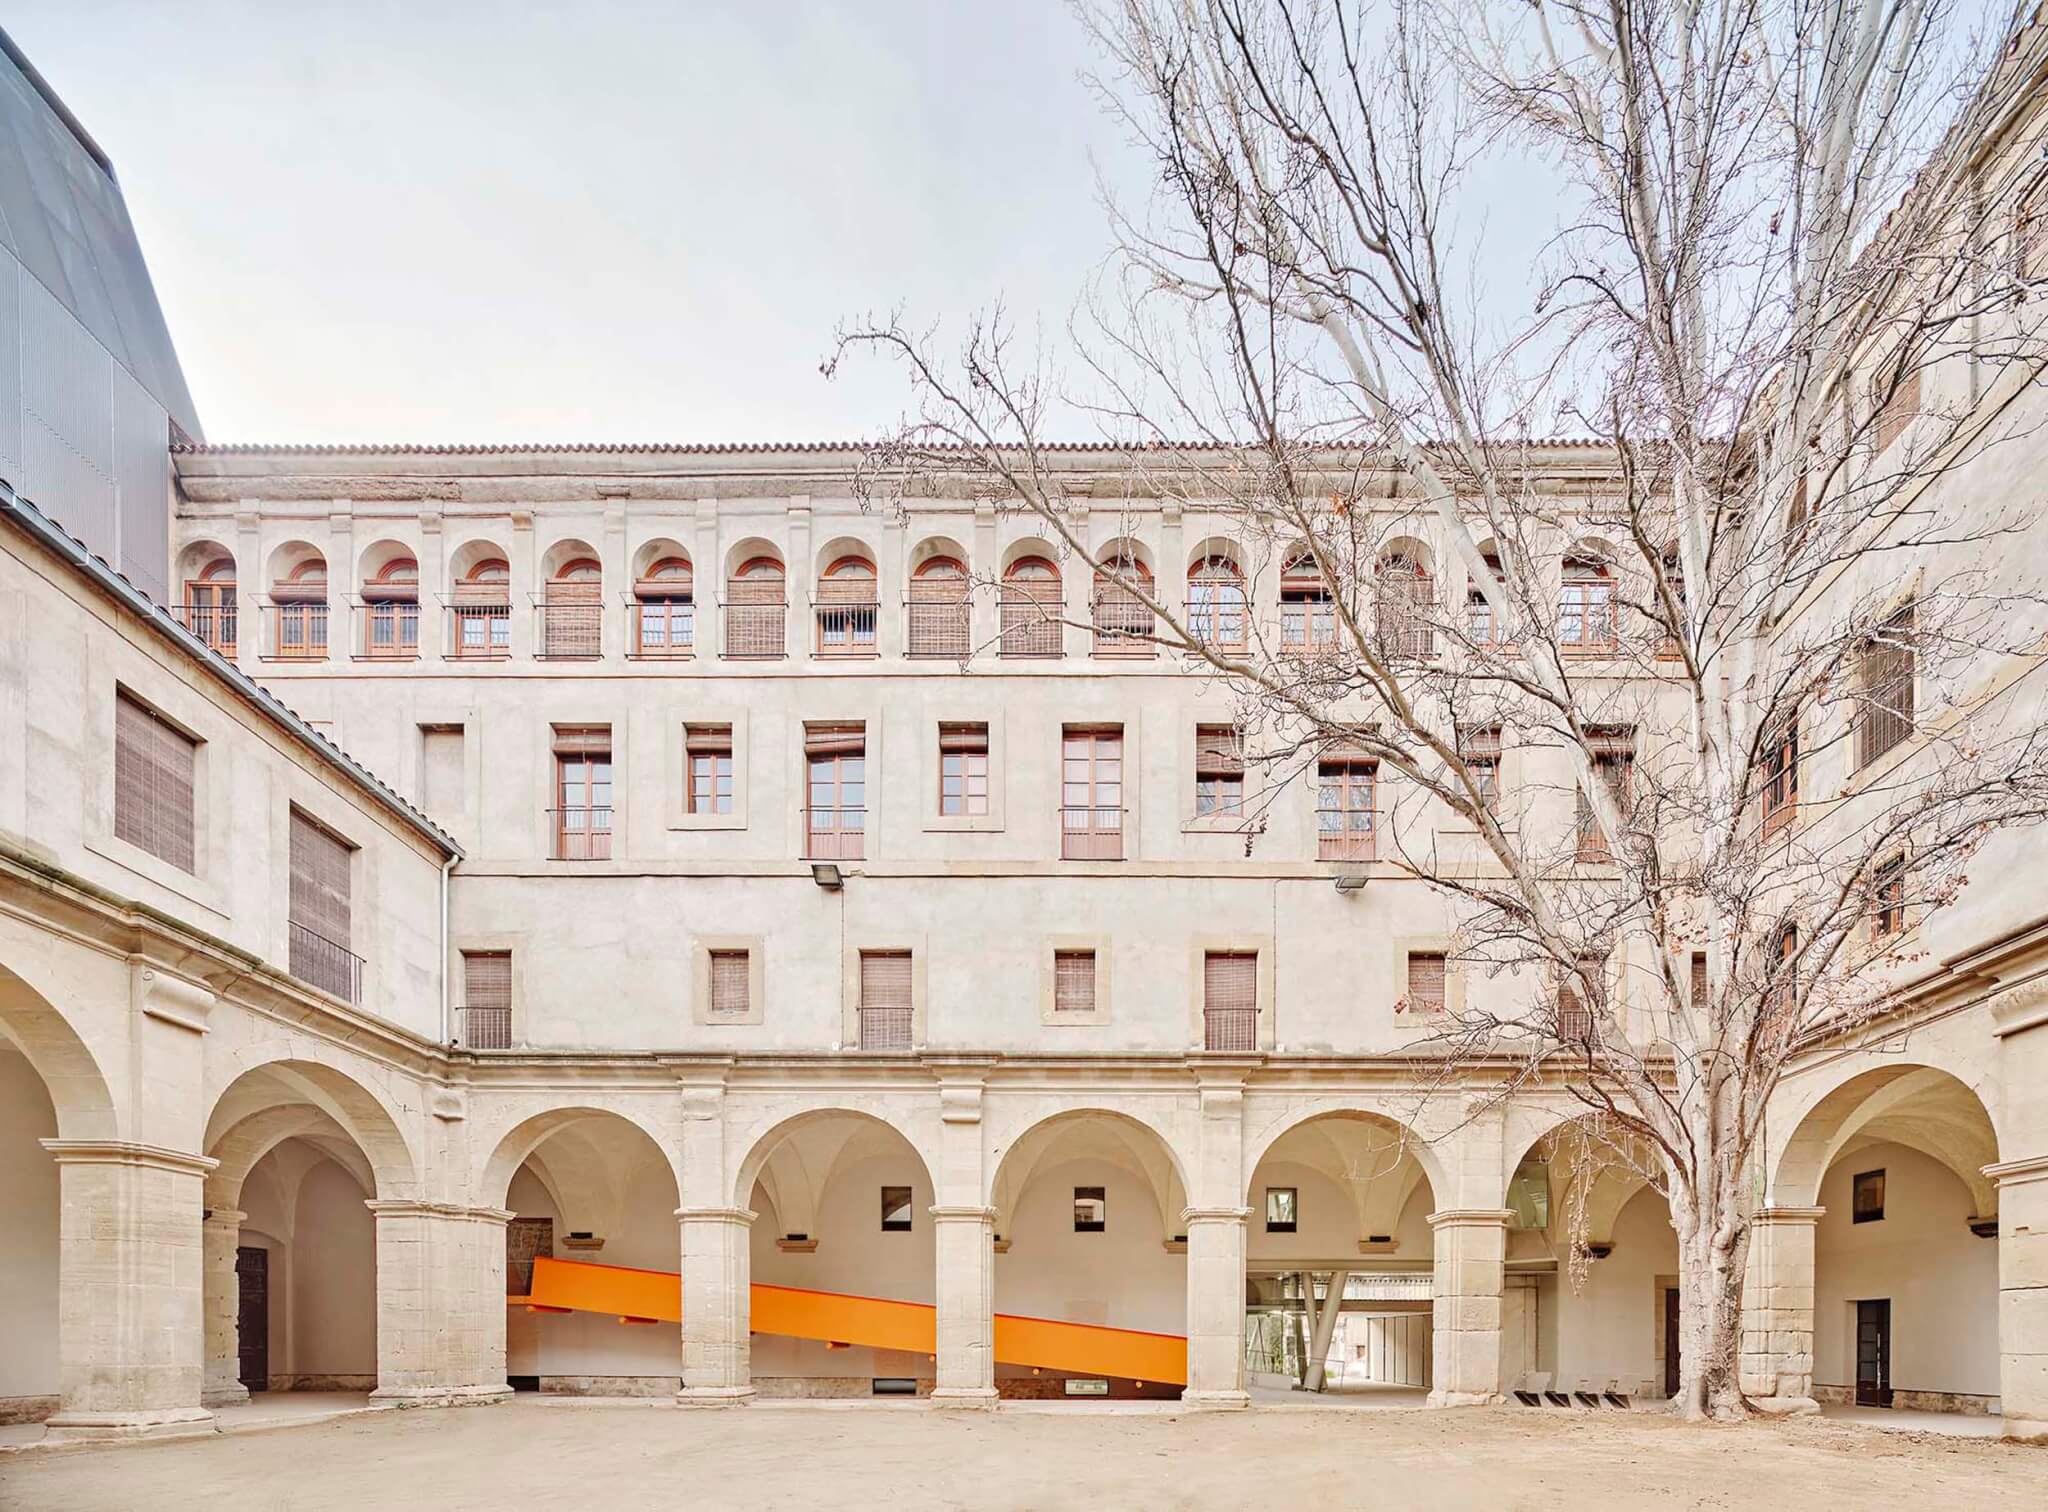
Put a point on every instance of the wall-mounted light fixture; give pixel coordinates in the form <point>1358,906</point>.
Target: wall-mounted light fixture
<point>827,876</point>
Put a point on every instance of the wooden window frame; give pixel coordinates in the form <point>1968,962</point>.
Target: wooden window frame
<point>301,615</point>
<point>704,953</point>
<point>1888,917</point>
<point>709,752</point>
<point>883,1023</point>
<point>572,612</point>
<point>581,827</point>
<point>1308,609</point>
<point>1480,628</point>
<point>1068,946</point>
<point>212,606</point>
<point>1219,603</point>
<point>1032,611</point>
<point>1291,1203</point>
<point>1418,998</point>
<point>1779,795</point>
<point>848,598</point>
<point>1348,776</point>
<point>1859,1184</point>
<point>1591,612</point>
<point>1481,748</point>
<point>831,747</point>
<point>1613,751</point>
<point>483,599</point>
<point>1887,689</point>
<point>321,910</point>
<point>1219,766</point>
<point>665,596</point>
<point>1099,1196</point>
<point>1403,593</point>
<point>1230,1007</point>
<point>904,1204</point>
<point>391,601</point>
<point>1093,807</point>
<point>756,611</point>
<point>939,611</point>
<point>1122,627</point>
<point>487,1014</point>
<point>961,746</point>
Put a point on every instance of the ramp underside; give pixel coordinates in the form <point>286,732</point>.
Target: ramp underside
<point>876,1322</point>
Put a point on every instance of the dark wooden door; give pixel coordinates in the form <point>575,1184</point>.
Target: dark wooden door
<point>252,1316</point>
<point>1670,1341</point>
<point>1874,1353</point>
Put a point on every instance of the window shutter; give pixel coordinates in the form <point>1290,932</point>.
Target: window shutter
<point>885,1009</point>
<point>1426,975</point>
<point>154,767</point>
<point>1073,981</point>
<point>1230,1000</point>
<point>1887,677</point>
<point>730,984</point>
<point>963,737</point>
<point>835,739</point>
<point>487,979</point>
<point>583,740</point>
<point>1219,750</point>
<point>320,887</point>
<point>1699,980</point>
<point>708,739</point>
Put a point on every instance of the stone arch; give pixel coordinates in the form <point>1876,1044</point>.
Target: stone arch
<point>1025,549</point>
<point>1919,1106</point>
<point>523,1140</point>
<point>378,558</point>
<point>566,553</point>
<point>844,549</point>
<point>473,554</point>
<point>1605,1172</point>
<point>779,1151</point>
<point>660,549</point>
<point>202,556</point>
<point>71,1074</point>
<point>292,561</point>
<point>1275,1127</point>
<point>934,548</point>
<point>1376,1159</point>
<point>241,1147</point>
<point>1138,1144</point>
<point>744,554</point>
<point>286,1076</point>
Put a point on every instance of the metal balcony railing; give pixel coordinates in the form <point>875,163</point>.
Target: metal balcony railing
<point>663,629</point>
<point>1346,836</point>
<point>582,834</point>
<point>387,630</point>
<point>938,629</point>
<point>214,624</point>
<point>756,630</point>
<point>1030,624</point>
<point>570,631</point>
<point>1230,1029</point>
<point>884,1028</point>
<point>835,834</point>
<point>1091,833</point>
<point>846,627</point>
<point>479,631</point>
<point>485,1028</point>
<point>295,631</point>
<point>323,963</point>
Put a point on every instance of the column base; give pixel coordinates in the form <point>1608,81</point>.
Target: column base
<point>970,1398</point>
<point>82,1426</point>
<point>1215,1401</point>
<point>1464,1399</point>
<point>715,1396</point>
<point>1784,1406</point>
<point>224,1396</point>
<point>2019,1430</point>
<point>439,1396</point>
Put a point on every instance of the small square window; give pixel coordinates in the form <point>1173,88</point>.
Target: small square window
<point>1073,981</point>
<point>1427,974</point>
<point>1868,1204</point>
<point>731,984</point>
<point>1282,1210</point>
<point>895,1210</point>
<point>1091,1212</point>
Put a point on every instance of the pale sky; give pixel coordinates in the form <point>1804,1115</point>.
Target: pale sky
<point>602,221</point>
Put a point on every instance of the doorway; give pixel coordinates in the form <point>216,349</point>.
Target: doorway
<point>1874,1353</point>
<point>252,1315</point>
<point>1671,1341</point>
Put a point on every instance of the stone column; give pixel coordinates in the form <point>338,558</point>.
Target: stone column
<point>966,1310</point>
<point>1777,1310</point>
<point>1215,1307</point>
<point>440,1303</point>
<point>1470,1244</point>
<point>2023,1295</point>
<point>717,1281</point>
<point>130,1310</point>
<point>221,1236</point>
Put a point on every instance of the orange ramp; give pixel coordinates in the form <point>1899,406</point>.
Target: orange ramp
<point>840,1318</point>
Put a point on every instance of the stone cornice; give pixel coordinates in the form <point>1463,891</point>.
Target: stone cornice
<point>1471,1218</point>
<point>403,1207</point>
<point>2019,1172</point>
<point>743,1216</point>
<point>124,1152</point>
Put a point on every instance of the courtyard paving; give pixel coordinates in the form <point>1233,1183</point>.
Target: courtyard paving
<point>621,1457</point>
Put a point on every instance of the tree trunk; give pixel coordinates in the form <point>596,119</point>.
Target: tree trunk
<point>1713,1251</point>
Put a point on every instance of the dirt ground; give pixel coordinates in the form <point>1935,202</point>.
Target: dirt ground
<point>618,1459</point>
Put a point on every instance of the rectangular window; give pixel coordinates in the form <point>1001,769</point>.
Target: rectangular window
<point>1577,1023</point>
<point>1345,817</point>
<point>1219,770</point>
<point>1868,1201</point>
<point>1091,1210</point>
<point>1888,899</point>
<point>1698,984</point>
<point>836,794</point>
<point>154,770</point>
<point>731,984</point>
<point>583,793</point>
<point>885,999</point>
<point>1480,746</point>
<point>1282,1210</point>
<point>708,755</point>
<point>1781,776</point>
<point>443,771</point>
<point>1885,675</point>
<point>1230,1001</point>
<point>963,769</point>
<point>1613,750</point>
<point>487,999</point>
<point>1895,402</point>
<point>1428,970</point>
<point>1073,981</point>
<point>1092,794</point>
<point>321,924</point>
<point>896,1217</point>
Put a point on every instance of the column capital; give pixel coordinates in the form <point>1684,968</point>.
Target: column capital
<point>1471,1218</point>
<point>125,1152</point>
<point>1194,1215</point>
<point>2007,1173</point>
<point>962,1214</point>
<point>744,1217</point>
<point>1789,1215</point>
<point>228,1217</point>
<point>406,1207</point>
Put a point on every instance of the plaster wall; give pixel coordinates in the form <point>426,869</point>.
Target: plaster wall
<point>1610,1329</point>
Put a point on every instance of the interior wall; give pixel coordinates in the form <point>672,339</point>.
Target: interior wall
<point>1608,1329</point>
<point>1941,1279</point>
<point>333,1278</point>
<point>28,1239</point>
<point>1123,1276</point>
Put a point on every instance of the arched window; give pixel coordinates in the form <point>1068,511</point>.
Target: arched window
<point>754,609</point>
<point>1585,620</point>
<point>391,610</point>
<point>481,612</point>
<point>845,608</point>
<point>1308,616</point>
<point>1031,608</point>
<point>665,610</point>
<point>1402,601</point>
<point>299,603</point>
<point>210,607</point>
<point>1482,625</point>
<point>939,610</point>
<point>1123,623</point>
<point>572,614</point>
<point>1216,603</point>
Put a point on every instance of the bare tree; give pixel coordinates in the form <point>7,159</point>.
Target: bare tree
<point>1747,646</point>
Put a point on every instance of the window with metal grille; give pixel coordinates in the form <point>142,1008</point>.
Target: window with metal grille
<point>1781,776</point>
<point>572,613</point>
<point>1888,899</point>
<point>1885,675</point>
<point>1219,770</point>
<point>708,756</point>
<point>1230,1000</point>
<point>1091,1209</point>
<point>665,610</point>
<point>298,613</point>
<point>480,612</point>
<point>1091,794</point>
<point>1480,746</point>
<point>1577,1023</point>
<point>1482,626</point>
<point>211,609</point>
<point>836,805</point>
<point>390,612</point>
<point>1030,608</point>
<point>1428,971</point>
<point>846,608</point>
<point>731,984</point>
<point>1585,620</point>
<point>963,769</point>
<point>1073,981</point>
<point>155,765</point>
<point>1404,599</point>
<point>1613,749</point>
<point>1894,402</point>
<point>487,999</point>
<point>1345,817</point>
<point>321,926</point>
<point>1123,623</point>
<point>885,999</point>
<point>583,793</point>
